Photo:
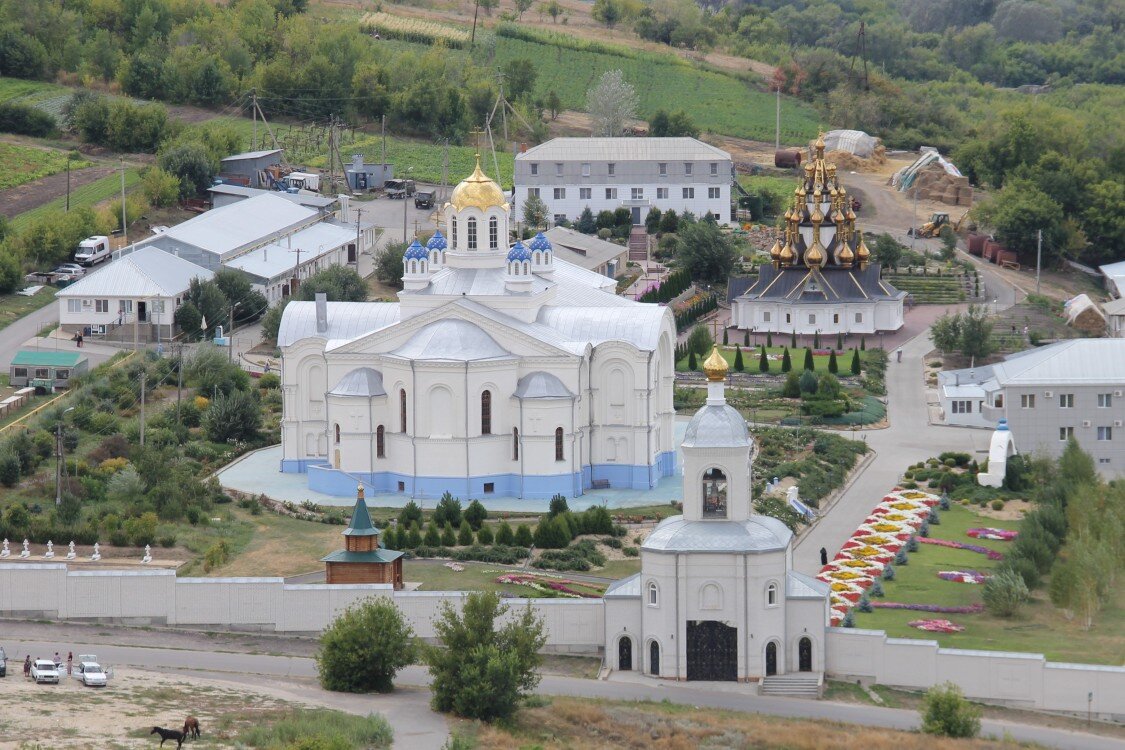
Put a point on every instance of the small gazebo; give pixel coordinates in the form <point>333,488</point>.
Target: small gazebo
<point>363,560</point>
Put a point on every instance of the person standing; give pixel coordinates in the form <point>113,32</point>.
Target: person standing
<point>69,662</point>
<point>823,556</point>
<point>27,666</point>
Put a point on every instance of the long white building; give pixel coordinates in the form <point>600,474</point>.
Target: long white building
<point>605,174</point>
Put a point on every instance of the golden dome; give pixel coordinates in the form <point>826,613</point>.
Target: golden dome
<point>787,254</point>
<point>819,145</point>
<point>845,256</point>
<point>862,254</point>
<point>815,256</point>
<point>775,251</point>
<point>477,190</point>
<point>715,366</point>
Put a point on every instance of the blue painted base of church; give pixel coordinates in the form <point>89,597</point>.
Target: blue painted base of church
<point>323,478</point>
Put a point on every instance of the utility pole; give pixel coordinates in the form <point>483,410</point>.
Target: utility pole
<point>124,226</point>
<point>1038,257</point>
<point>230,336</point>
<point>179,384</point>
<point>68,181</point>
<point>777,127</point>
<point>473,38</point>
<point>143,376</point>
<point>254,115</point>
<point>914,233</point>
<point>58,464</point>
<point>384,147</point>
<point>358,212</point>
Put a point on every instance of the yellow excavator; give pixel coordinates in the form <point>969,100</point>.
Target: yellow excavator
<point>933,227</point>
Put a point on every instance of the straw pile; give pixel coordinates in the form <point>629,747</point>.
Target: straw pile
<point>935,184</point>
<point>849,162</point>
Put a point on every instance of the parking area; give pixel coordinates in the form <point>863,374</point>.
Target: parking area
<point>399,219</point>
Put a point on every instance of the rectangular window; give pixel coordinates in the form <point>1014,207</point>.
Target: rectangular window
<point>19,372</point>
<point>689,192</point>
<point>158,306</point>
<point>611,194</point>
<point>558,169</point>
<point>714,192</point>
<point>1066,433</point>
<point>1027,401</point>
<point>962,407</point>
<point>638,194</point>
<point>1103,460</point>
<point>74,305</point>
<point>62,374</point>
<point>765,317</point>
<point>585,193</point>
<point>859,317</point>
<point>560,193</point>
<point>534,168</point>
<point>714,167</point>
<point>530,192</point>
<point>662,193</point>
<point>489,488</point>
<point>663,167</point>
<point>1066,400</point>
<point>1105,433</point>
<point>101,305</point>
<point>612,168</point>
<point>560,218</point>
<point>687,167</point>
<point>585,169</point>
<point>812,320</point>
<point>402,486</point>
<point>42,373</point>
<point>125,305</point>
<point>1105,400</point>
<point>788,318</point>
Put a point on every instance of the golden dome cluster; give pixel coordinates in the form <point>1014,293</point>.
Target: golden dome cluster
<point>478,190</point>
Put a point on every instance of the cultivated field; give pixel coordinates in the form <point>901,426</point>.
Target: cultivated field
<point>21,164</point>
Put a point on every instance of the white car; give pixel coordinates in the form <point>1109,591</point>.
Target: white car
<point>90,674</point>
<point>71,268</point>
<point>44,670</point>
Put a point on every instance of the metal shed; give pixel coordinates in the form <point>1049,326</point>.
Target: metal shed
<point>248,168</point>
<point>46,369</point>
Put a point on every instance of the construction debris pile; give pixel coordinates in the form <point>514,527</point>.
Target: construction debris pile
<point>933,177</point>
<point>1084,314</point>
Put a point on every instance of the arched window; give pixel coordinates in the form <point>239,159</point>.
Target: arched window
<point>337,434</point>
<point>380,443</point>
<point>654,659</point>
<point>653,594</point>
<point>559,444</point>
<point>493,234</point>
<point>515,444</point>
<point>486,413</point>
<point>472,233</point>
<point>402,409</point>
<point>771,595</point>
<point>454,233</point>
<point>538,257</point>
<point>714,494</point>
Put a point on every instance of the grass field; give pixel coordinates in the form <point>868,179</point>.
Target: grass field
<point>435,576</point>
<point>717,102</point>
<point>20,164</point>
<point>1040,628</point>
<point>421,161</point>
<point>30,92</point>
<point>104,189</point>
<point>14,307</point>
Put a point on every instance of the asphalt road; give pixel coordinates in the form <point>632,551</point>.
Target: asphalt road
<point>18,331</point>
<point>417,727</point>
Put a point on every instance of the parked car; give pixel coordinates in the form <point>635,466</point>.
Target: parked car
<point>3,663</point>
<point>73,269</point>
<point>90,674</point>
<point>399,188</point>
<point>424,199</point>
<point>44,670</point>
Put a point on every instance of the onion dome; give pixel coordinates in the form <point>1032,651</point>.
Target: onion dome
<point>715,366</point>
<point>862,254</point>
<point>845,256</point>
<point>415,251</point>
<point>788,254</point>
<point>819,145</point>
<point>477,190</point>
<point>519,252</point>
<point>814,256</point>
<point>775,251</point>
<point>539,243</point>
<point>437,242</point>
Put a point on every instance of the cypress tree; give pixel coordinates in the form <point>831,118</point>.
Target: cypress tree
<point>484,536</point>
<point>739,366</point>
<point>809,364</point>
<point>465,535</point>
<point>448,535</point>
<point>786,363</point>
<point>839,342</point>
<point>414,537</point>
<point>724,337</point>
<point>746,339</point>
<point>763,362</point>
<point>691,363</point>
<point>769,339</point>
<point>432,537</point>
<point>793,339</point>
<point>863,343</point>
<point>832,366</point>
<point>389,538</point>
<point>816,340</point>
<point>855,362</point>
<point>504,534</point>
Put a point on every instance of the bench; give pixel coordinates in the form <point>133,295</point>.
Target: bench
<point>599,484</point>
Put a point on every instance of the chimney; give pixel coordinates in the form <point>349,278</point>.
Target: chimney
<point>321,312</point>
<point>345,207</point>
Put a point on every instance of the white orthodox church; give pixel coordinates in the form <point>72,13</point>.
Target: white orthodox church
<point>501,371</point>
<point>717,597</point>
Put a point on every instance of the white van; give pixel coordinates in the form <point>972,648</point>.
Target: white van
<point>93,250</point>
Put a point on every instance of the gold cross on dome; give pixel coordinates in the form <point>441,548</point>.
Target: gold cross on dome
<point>476,133</point>
<point>715,328</point>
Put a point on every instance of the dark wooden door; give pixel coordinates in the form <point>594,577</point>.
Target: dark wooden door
<point>804,654</point>
<point>654,659</point>
<point>771,658</point>
<point>625,654</point>
<point>712,651</point>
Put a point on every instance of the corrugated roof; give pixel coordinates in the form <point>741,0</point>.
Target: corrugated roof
<point>251,155</point>
<point>32,357</point>
<point>757,534</point>
<point>623,149</point>
<point>346,320</point>
<point>1115,307</point>
<point>374,556</point>
<point>624,588</point>
<point>279,258</point>
<point>1073,362</point>
<point>583,250</point>
<point>304,198</point>
<point>476,282</point>
<point>228,228</point>
<point>801,586</point>
<point>716,426</point>
<point>833,285</point>
<point>145,272</point>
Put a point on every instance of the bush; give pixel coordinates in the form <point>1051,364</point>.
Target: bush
<point>876,589</point>
<point>167,541</point>
<point>558,506</point>
<point>448,510</point>
<point>363,649</point>
<point>476,514</point>
<point>808,382</point>
<point>1026,569</point>
<point>160,188</point>
<point>792,387</point>
<point>1004,593</point>
<point>889,573</point>
<point>269,381</point>
<point>233,417</point>
<point>848,621</point>
<point>497,553</point>
<point>865,604</point>
<point>552,533</point>
<point>9,469</point>
<point>484,536</point>
<point>448,535</point>
<point>23,119</point>
<point>997,504</point>
<point>946,713</point>
<point>465,534</point>
<point>631,551</point>
<point>216,556</point>
<point>901,558</point>
<point>523,536</point>
<point>504,534</point>
<point>410,514</point>
<point>432,537</point>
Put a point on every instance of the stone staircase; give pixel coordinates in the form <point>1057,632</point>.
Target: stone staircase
<point>800,685</point>
<point>638,244</point>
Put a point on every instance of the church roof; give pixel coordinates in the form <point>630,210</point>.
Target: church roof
<point>541,385</point>
<point>452,340</point>
<point>717,426</point>
<point>361,520</point>
<point>829,285</point>
<point>374,556</point>
<point>638,324</point>
<point>624,588</point>
<point>801,586</point>
<point>362,381</point>
<point>346,320</point>
<point>476,282</point>
<point>756,534</point>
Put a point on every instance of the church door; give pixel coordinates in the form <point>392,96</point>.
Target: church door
<point>712,651</point>
<point>625,653</point>
<point>771,658</point>
<point>804,654</point>
<point>654,659</point>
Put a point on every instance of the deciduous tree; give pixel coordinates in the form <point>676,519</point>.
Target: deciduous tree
<point>611,103</point>
<point>365,647</point>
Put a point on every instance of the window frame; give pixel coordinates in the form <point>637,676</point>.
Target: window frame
<point>771,594</point>
<point>638,193</point>
<point>1105,400</point>
<point>662,194</point>
<point>534,167</point>
<point>1027,400</point>
<point>688,168</point>
<point>471,233</point>
<point>380,442</point>
<point>402,410</point>
<point>688,193</point>
<point>714,193</point>
<point>1066,400</point>
<point>611,193</point>
<point>653,597</point>
<point>662,168</point>
<point>585,193</point>
<point>1105,434</point>
<point>1065,434</point>
<point>493,233</point>
<point>559,193</point>
<point>486,412</point>
<point>560,448</point>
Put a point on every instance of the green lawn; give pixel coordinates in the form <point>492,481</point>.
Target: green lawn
<point>13,306</point>
<point>86,195</point>
<point>28,92</point>
<point>435,576</point>
<point>796,356</point>
<point>1040,628</point>
<point>20,164</point>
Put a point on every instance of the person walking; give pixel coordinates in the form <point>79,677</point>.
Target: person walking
<point>69,662</point>
<point>27,666</point>
<point>823,556</point>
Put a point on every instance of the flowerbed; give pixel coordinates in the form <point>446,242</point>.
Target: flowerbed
<point>936,626</point>
<point>991,554</point>
<point>962,576</point>
<point>560,587</point>
<point>968,609</point>
<point>1000,535</point>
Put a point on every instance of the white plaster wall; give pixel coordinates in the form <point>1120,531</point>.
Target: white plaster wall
<point>27,587</point>
<point>572,205</point>
<point>143,594</point>
<point>240,601</point>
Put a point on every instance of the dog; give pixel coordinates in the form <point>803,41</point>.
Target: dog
<point>191,727</point>
<point>169,734</point>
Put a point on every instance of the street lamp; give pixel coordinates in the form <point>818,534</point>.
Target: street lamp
<point>59,459</point>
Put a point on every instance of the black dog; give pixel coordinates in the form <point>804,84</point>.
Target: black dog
<point>169,734</point>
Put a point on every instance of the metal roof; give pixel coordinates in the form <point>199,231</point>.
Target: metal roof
<point>145,272</point>
<point>567,274</point>
<point>251,155</point>
<point>362,381</point>
<point>280,258</point>
<point>757,534</point>
<point>637,324</point>
<point>226,229</point>
<point>624,588</point>
<point>583,250</point>
<point>1072,362</point>
<point>623,149</point>
<point>717,426</point>
<point>801,586</point>
<point>303,198</point>
<point>542,385</point>
<point>1115,273</point>
<point>1115,307</point>
<point>346,320</point>
<point>451,340</point>
<point>476,282</point>
<point>833,285</point>
<point>374,556</point>
<point>361,521</point>
<point>32,357</point>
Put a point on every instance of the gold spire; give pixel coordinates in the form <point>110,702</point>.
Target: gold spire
<point>715,366</point>
<point>845,256</point>
<point>862,254</point>
<point>477,190</point>
<point>775,251</point>
<point>788,254</point>
<point>819,145</point>
<point>816,255</point>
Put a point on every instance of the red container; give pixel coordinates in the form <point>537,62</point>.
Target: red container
<point>976,243</point>
<point>787,158</point>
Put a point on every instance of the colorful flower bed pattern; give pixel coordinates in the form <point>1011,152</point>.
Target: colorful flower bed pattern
<point>991,554</point>
<point>962,576</point>
<point>936,626</point>
<point>968,609</point>
<point>560,587</point>
<point>1000,535</point>
<point>873,546</point>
